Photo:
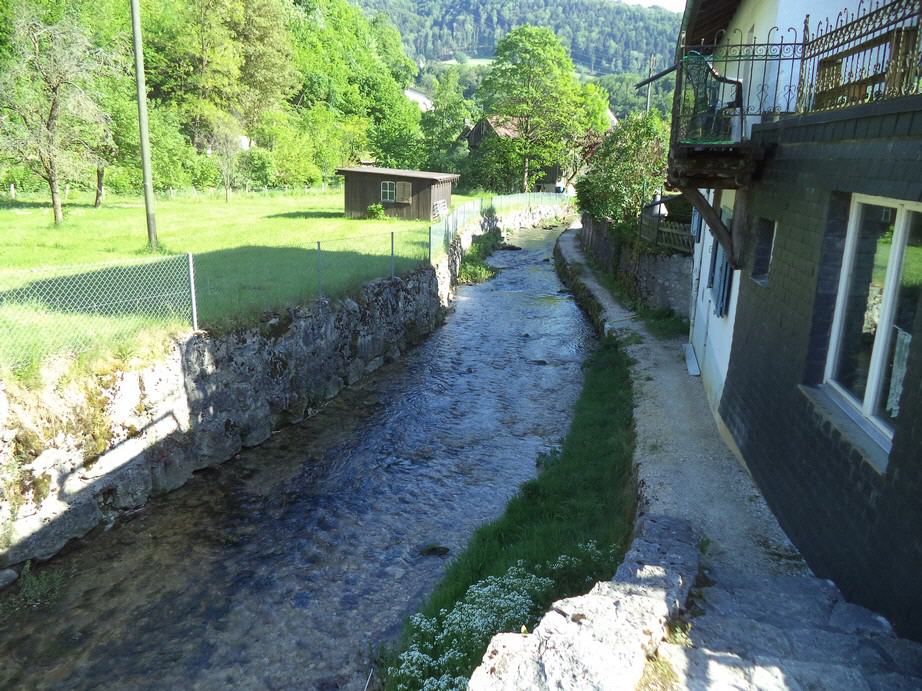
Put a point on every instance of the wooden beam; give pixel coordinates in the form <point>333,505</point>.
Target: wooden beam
<point>738,227</point>
<point>712,217</point>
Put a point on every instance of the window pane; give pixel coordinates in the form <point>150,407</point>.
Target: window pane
<point>864,297</point>
<point>907,302</point>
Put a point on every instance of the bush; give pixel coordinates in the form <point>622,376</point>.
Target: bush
<point>376,212</point>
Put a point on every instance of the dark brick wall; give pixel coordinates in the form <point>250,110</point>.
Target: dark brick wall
<point>854,524</point>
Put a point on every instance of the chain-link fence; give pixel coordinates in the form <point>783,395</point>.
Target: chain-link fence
<point>73,309</point>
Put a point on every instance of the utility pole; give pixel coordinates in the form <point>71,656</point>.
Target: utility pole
<point>142,123</point>
<point>650,74</point>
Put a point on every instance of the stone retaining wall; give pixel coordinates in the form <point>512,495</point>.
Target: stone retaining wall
<point>659,281</point>
<point>81,452</point>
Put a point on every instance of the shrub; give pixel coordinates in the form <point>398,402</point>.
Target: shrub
<point>376,212</point>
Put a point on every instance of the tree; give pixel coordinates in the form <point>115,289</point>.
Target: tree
<point>225,148</point>
<point>626,170</point>
<point>49,110</point>
<point>531,90</point>
<point>396,140</point>
<point>443,125</point>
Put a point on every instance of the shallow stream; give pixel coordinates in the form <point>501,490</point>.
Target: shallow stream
<point>286,567</point>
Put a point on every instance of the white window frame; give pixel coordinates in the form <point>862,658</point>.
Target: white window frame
<point>880,430</point>
<point>388,191</point>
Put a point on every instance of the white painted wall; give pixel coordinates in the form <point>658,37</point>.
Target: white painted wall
<point>711,336</point>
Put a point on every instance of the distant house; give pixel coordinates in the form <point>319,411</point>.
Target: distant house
<point>409,194</point>
<point>551,178</point>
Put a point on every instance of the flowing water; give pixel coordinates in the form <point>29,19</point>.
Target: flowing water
<point>286,567</point>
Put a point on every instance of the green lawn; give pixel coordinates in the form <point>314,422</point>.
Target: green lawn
<point>252,255</point>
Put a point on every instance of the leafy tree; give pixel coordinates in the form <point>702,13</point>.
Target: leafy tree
<point>390,49</point>
<point>49,110</point>
<point>443,125</point>
<point>396,140</point>
<point>225,148</point>
<point>532,91</point>
<point>625,98</point>
<point>625,171</point>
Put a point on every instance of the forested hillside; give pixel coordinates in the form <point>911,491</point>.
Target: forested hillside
<point>300,85</point>
<point>605,36</point>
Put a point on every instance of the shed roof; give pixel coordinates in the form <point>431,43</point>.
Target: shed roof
<point>398,173</point>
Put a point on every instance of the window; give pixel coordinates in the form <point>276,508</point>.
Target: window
<point>765,242</point>
<point>404,192</point>
<point>878,296</point>
<point>720,275</point>
<point>388,191</point>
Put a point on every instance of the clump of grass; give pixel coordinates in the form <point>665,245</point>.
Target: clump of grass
<point>474,268</point>
<point>658,675</point>
<point>563,531</point>
<point>35,590</point>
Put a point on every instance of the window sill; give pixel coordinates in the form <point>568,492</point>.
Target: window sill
<point>856,431</point>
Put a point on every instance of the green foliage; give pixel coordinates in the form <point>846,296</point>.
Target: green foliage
<point>515,567</point>
<point>531,90</point>
<point>314,83</point>
<point>34,590</point>
<point>443,126</point>
<point>474,268</point>
<point>624,98</point>
<point>603,36</point>
<point>626,170</point>
<point>376,212</point>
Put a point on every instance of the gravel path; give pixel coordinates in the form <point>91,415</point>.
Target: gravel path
<point>685,469</point>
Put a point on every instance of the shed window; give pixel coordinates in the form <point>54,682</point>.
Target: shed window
<point>388,191</point>
<point>878,296</point>
<point>404,192</point>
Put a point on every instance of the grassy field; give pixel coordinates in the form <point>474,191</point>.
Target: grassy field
<point>252,255</point>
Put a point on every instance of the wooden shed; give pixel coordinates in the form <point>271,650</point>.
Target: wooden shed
<point>410,194</point>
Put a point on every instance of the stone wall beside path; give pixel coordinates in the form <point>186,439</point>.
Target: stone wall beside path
<point>81,452</point>
<point>660,281</point>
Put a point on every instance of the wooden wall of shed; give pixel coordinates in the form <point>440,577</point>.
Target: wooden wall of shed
<point>364,189</point>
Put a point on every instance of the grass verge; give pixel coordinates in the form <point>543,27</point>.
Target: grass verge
<point>564,530</point>
<point>474,268</point>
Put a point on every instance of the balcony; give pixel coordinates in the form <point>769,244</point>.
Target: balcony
<point>726,87</point>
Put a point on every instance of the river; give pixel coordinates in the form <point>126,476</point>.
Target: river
<point>285,567</point>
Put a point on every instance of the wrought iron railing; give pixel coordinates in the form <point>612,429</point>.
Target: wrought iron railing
<point>726,86</point>
<point>867,55</point>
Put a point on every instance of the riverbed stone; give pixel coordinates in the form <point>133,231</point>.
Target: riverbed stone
<point>7,577</point>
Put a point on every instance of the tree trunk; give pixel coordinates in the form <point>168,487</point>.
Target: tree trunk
<point>56,198</point>
<point>100,186</point>
<point>525,178</point>
<point>226,194</point>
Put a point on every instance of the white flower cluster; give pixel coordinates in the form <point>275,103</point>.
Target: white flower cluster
<point>444,645</point>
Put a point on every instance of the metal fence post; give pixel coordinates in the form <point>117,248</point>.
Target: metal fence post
<point>392,254</point>
<point>319,285</point>
<point>430,245</point>
<point>192,292</point>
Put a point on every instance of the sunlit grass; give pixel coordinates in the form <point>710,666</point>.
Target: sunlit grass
<point>253,255</point>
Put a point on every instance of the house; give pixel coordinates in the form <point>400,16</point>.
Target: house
<point>797,140</point>
<point>409,194</point>
<point>551,178</point>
